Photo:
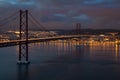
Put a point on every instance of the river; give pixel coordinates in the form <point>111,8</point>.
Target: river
<point>62,60</point>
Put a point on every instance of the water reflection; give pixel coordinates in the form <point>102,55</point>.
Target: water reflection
<point>95,50</point>
<point>117,49</point>
<point>23,71</point>
<point>65,60</point>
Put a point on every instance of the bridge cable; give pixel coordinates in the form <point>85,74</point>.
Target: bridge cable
<point>8,19</point>
<point>37,22</point>
<point>33,22</point>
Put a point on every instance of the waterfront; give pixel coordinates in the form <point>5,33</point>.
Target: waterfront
<point>62,60</point>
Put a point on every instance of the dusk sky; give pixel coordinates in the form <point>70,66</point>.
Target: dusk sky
<point>64,14</point>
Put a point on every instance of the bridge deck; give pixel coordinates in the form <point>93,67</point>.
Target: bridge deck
<point>33,40</point>
<point>16,42</point>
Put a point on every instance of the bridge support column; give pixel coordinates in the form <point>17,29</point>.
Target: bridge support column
<point>23,46</point>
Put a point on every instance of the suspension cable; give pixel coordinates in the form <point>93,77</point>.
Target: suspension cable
<point>7,18</point>
<point>37,22</point>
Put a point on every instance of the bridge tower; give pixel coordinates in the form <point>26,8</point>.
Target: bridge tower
<point>23,46</point>
<point>78,28</point>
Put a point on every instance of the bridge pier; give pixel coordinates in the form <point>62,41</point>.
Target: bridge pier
<point>23,47</point>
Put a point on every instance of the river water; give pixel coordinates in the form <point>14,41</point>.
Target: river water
<point>62,60</point>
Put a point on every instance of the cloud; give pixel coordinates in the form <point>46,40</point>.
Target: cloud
<point>92,13</point>
<point>60,15</point>
<point>16,3</point>
<point>103,3</point>
<point>53,18</point>
<point>97,1</point>
<point>82,17</point>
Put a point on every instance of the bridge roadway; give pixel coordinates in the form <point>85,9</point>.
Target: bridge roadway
<point>33,40</point>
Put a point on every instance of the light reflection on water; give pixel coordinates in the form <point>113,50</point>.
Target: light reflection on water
<point>63,60</point>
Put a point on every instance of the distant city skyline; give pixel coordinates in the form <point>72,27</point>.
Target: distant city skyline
<point>64,14</point>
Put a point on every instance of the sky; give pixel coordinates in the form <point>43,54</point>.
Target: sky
<point>64,14</point>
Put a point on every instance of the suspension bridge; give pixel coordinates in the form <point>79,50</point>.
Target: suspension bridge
<point>24,23</point>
